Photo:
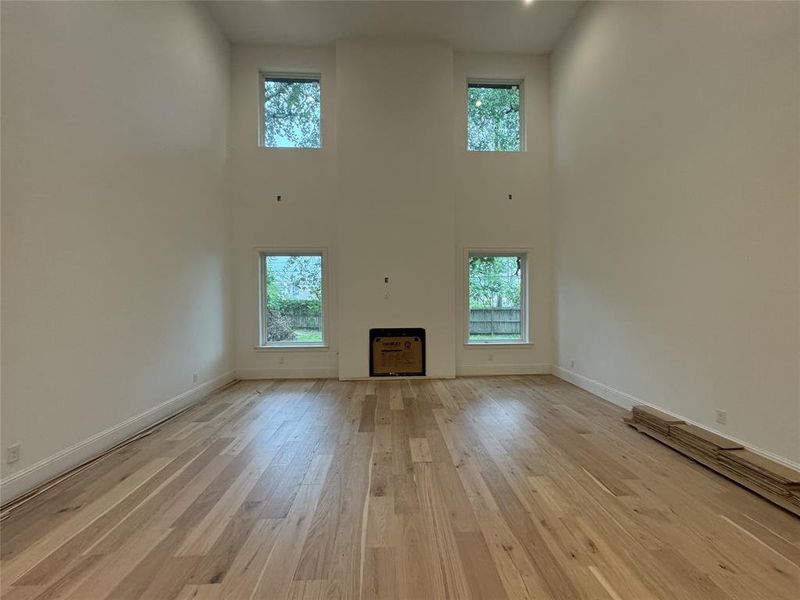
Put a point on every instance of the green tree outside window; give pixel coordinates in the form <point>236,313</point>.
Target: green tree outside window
<point>291,113</point>
<point>493,117</point>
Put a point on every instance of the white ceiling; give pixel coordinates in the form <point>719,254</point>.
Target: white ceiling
<point>483,26</point>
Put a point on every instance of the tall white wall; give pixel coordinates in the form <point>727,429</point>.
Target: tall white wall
<point>392,192</point>
<point>486,218</point>
<point>115,224</point>
<point>395,216</point>
<point>676,211</point>
<point>306,179</point>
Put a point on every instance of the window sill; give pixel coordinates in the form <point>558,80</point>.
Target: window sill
<point>494,152</point>
<point>291,148</point>
<point>293,348</point>
<point>478,345</point>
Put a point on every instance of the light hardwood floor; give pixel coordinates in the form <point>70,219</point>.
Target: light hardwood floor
<point>518,487</point>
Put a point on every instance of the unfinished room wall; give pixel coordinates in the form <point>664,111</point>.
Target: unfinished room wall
<point>306,180</point>
<point>395,212</point>
<point>115,225</point>
<point>391,200</point>
<point>486,219</point>
<point>676,219</point>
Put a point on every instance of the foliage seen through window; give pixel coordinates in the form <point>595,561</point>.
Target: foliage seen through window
<point>293,299</point>
<point>495,298</point>
<point>493,117</point>
<point>291,113</point>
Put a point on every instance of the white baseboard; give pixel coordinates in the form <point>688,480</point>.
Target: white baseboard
<point>504,369</point>
<point>394,377</point>
<point>614,396</point>
<point>298,373</point>
<point>26,479</point>
<point>332,373</point>
<point>627,401</point>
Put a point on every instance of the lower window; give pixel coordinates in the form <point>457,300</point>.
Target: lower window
<point>496,296</point>
<point>292,299</point>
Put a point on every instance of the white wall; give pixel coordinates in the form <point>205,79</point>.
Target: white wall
<point>486,218</point>
<point>115,224</point>
<point>392,192</point>
<point>395,216</point>
<point>306,179</point>
<point>676,219</point>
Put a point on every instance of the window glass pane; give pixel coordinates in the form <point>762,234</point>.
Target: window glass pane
<point>493,118</point>
<point>293,299</point>
<point>495,294</point>
<point>291,113</point>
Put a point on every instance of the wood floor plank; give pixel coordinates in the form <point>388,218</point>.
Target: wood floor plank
<point>379,574</point>
<point>24,592</point>
<point>244,573</point>
<point>420,451</point>
<point>200,592</point>
<point>278,571</point>
<point>483,580</point>
<point>16,567</point>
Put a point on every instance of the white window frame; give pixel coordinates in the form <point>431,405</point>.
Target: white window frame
<point>263,76</point>
<point>524,316</point>
<point>522,125</point>
<point>261,255</point>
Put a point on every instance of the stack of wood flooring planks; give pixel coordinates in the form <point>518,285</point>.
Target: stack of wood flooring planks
<point>774,481</point>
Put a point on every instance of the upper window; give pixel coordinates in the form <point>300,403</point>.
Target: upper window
<point>494,120</point>
<point>292,299</point>
<point>291,111</point>
<point>497,298</point>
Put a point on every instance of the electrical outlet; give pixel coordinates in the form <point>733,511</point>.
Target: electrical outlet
<point>572,364</point>
<point>12,453</point>
<point>194,378</point>
<point>722,416</point>
<point>281,360</point>
<point>491,357</point>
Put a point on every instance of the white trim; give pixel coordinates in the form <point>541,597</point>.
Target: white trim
<point>504,369</point>
<point>614,396</point>
<point>292,348</point>
<point>392,377</point>
<point>501,345</point>
<point>46,469</point>
<point>287,373</point>
<point>525,324</point>
<point>627,401</point>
